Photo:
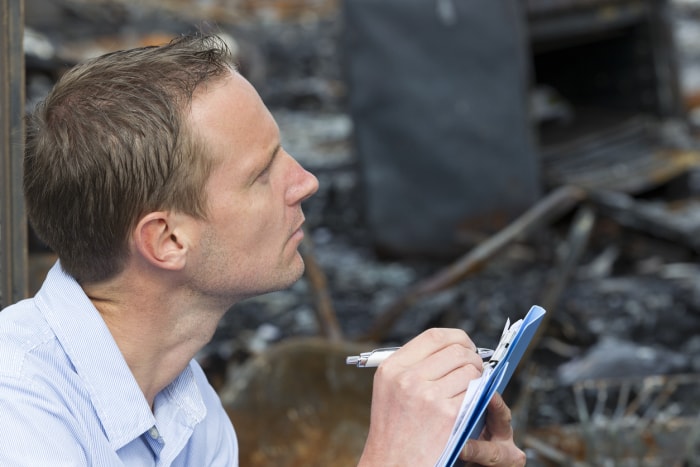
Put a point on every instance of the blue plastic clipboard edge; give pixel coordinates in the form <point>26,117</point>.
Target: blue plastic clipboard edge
<point>500,377</point>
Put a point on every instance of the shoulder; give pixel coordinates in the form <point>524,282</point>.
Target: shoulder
<point>40,428</point>
<point>34,364</point>
<point>23,333</point>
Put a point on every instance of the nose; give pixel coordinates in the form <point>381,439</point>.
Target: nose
<point>303,184</point>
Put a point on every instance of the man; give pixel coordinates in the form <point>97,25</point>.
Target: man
<point>157,176</point>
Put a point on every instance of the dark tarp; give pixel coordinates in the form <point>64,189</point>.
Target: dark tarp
<point>438,97</point>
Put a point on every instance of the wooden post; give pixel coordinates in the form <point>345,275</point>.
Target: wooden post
<point>13,226</point>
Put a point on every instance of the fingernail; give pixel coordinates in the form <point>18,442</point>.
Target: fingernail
<point>467,451</point>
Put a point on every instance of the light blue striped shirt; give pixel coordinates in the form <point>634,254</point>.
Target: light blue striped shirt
<point>68,398</point>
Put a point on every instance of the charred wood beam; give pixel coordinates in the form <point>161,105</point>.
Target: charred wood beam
<point>552,206</point>
<point>579,234</point>
<point>325,312</point>
<point>675,223</point>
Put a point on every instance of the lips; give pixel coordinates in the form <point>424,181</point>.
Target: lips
<point>300,226</point>
<point>298,232</point>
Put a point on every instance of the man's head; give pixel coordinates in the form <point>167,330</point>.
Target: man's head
<point>111,142</point>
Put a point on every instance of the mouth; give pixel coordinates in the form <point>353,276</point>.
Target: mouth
<point>298,233</point>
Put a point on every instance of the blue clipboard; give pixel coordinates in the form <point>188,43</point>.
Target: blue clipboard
<point>514,341</point>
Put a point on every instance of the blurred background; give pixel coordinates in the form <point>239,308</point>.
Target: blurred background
<point>475,157</point>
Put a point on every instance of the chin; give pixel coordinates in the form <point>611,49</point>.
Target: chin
<point>296,271</point>
<point>286,273</point>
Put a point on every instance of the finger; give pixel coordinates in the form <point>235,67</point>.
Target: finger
<point>448,371</point>
<point>429,342</point>
<point>455,383</point>
<point>434,339</point>
<point>499,418</point>
<point>482,453</point>
<point>454,358</point>
<point>488,453</point>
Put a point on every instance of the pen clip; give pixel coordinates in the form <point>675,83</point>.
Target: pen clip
<point>484,353</point>
<point>504,344</point>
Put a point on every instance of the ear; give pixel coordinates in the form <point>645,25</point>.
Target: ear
<point>161,239</point>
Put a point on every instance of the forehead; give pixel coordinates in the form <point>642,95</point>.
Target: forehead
<point>231,120</point>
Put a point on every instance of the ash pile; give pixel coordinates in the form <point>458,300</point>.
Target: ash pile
<point>556,163</point>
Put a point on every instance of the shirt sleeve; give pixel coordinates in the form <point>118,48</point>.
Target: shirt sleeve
<point>35,428</point>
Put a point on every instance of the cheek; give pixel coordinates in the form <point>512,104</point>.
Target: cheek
<point>264,215</point>
<point>250,220</point>
<point>250,233</point>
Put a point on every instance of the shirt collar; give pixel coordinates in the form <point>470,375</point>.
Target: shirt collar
<point>118,400</point>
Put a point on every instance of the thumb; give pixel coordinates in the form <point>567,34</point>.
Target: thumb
<point>482,453</point>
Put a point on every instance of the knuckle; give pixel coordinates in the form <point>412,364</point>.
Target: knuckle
<point>495,458</point>
<point>442,335</point>
<point>405,380</point>
<point>461,353</point>
<point>436,334</point>
<point>470,372</point>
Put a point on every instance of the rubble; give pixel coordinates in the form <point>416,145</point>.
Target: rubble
<point>617,266</point>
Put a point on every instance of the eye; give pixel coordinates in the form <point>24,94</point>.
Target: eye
<point>264,175</point>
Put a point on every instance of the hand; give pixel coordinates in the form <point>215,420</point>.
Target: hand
<point>416,396</point>
<point>495,447</point>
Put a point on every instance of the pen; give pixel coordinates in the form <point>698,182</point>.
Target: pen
<point>377,356</point>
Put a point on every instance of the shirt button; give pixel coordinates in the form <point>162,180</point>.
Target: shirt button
<point>153,432</point>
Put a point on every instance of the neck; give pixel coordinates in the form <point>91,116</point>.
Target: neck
<point>158,329</point>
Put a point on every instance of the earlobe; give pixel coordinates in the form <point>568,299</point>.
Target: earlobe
<point>157,240</point>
